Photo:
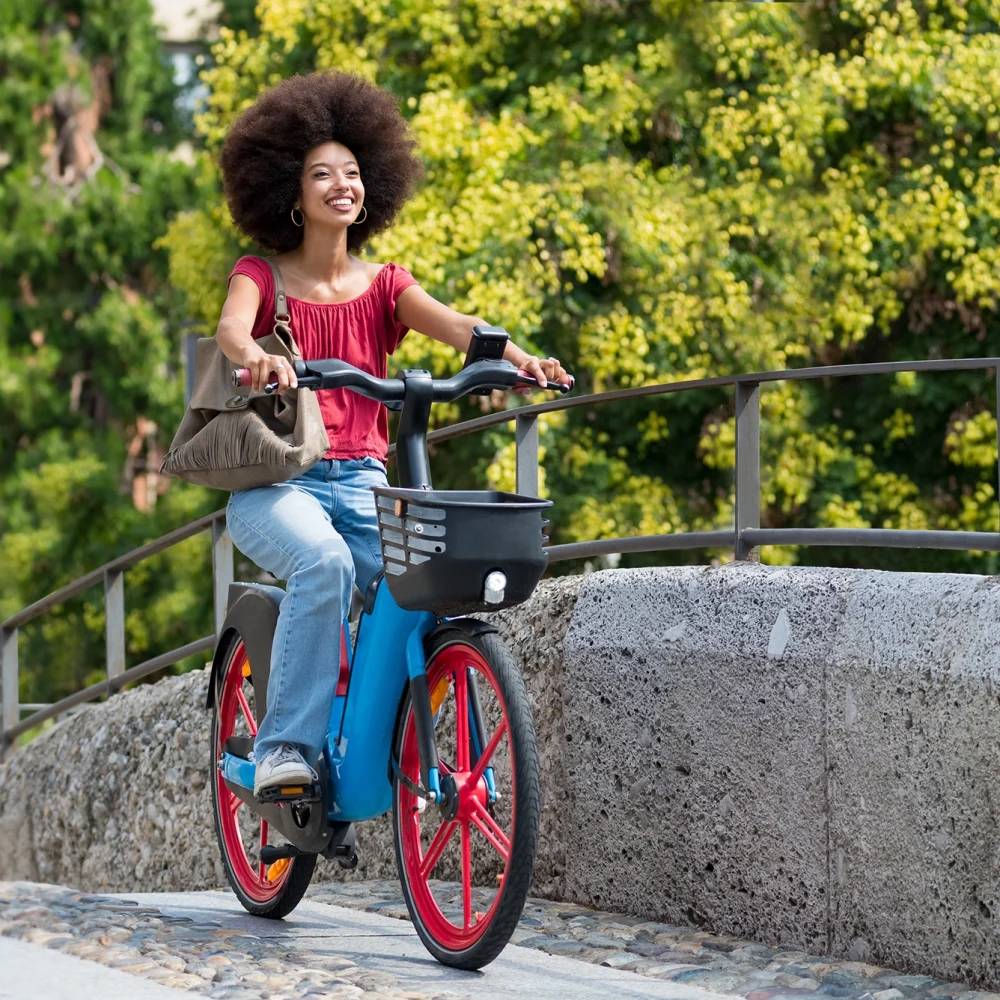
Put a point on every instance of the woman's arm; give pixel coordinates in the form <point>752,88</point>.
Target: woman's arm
<point>237,343</point>
<point>423,313</point>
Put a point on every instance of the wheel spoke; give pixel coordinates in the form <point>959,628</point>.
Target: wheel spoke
<point>461,719</point>
<point>466,876</point>
<point>484,760</point>
<point>489,836</point>
<point>247,714</point>
<point>436,848</point>
<point>234,802</point>
<point>491,829</point>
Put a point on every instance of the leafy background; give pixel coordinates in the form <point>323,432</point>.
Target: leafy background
<point>652,190</point>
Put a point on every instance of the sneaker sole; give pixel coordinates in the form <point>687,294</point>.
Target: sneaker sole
<point>290,777</point>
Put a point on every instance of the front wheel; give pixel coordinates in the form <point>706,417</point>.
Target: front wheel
<point>466,873</point>
<point>265,890</point>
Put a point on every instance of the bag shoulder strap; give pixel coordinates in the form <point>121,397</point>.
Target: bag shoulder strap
<point>280,302</point>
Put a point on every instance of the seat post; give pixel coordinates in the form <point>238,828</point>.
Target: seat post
<point>412,462</point>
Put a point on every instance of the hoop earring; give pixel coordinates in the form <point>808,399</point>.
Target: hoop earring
<point>357,222</point>
<point>294,223</point>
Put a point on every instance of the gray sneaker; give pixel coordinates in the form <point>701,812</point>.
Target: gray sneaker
<point>283,765</point>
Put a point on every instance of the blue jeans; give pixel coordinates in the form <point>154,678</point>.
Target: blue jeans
<point>319,532</point>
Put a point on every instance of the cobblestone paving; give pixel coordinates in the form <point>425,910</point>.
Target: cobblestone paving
<point>682,954</point>
<point>227,964</point>
<point>200,956</point>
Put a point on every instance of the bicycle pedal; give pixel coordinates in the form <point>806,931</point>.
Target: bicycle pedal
<point>290,793</point>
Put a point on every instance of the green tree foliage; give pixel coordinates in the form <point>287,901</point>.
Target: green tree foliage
<point>657,190</point>
<point>90,387</point>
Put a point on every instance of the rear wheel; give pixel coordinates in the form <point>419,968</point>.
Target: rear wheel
<point>265,890</point>
<point>466,873</point>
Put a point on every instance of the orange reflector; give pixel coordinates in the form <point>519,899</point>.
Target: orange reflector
<point>246,669</point>
<point>439,693</point>
<point>275,871</point>
<point>292,791</point>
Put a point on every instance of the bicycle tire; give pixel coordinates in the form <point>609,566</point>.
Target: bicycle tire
<point>275,890</point>
<point>467,946</point>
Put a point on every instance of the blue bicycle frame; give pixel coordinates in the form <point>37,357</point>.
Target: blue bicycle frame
<point>390,649</point>
<point>358,748</point>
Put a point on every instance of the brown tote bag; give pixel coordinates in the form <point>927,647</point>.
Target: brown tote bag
<point>233,439</point>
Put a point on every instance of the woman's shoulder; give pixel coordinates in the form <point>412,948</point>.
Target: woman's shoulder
<point>258,270</point>
<point>392,274</point>
<point>252,265</point>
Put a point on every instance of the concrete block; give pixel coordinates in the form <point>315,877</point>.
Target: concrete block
<point>914,751</point>
<point>695,767</point>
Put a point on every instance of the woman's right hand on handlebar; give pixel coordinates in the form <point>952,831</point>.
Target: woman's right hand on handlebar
<point>266,368</point>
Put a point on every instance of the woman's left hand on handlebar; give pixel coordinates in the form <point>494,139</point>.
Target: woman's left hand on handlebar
<point>545,370</point>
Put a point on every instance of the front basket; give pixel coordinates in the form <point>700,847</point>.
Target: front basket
<point>439,546</point>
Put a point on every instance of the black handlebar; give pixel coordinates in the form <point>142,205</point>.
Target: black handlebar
<point>336,374</point>
<point>412,392</point>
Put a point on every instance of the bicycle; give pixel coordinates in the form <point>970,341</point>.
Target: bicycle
<point>431,717</point>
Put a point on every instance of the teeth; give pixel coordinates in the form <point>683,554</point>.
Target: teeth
<point>341,201</point>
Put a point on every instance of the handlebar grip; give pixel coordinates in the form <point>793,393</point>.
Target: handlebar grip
<point>524,376</point>
<point>244,377</point>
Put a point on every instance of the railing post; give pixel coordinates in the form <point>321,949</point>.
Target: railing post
<point>114,624</point>
<point>222,569</point>
<point>997,370</point>
<point>747,513</point>
<point>10,711</point>
<point>526,455</point>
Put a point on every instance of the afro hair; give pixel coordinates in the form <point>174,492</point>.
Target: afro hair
<point>264,154</point>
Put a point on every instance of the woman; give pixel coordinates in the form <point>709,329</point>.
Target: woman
<point>312,170</point>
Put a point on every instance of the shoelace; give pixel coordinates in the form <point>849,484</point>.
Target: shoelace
<point>285,755</point>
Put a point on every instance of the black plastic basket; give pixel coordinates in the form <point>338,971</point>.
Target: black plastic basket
<point>439,546</point>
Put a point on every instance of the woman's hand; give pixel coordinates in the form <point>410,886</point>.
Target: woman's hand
<point>261,365</point>
<point>544,369</point>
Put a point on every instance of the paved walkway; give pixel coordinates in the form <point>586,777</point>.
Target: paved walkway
<point>204,942</point>
<point>351,940</point>
<point>32,972</point>
<point>679,954</point>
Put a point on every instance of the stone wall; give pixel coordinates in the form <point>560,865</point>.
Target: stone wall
<point>800,756</point>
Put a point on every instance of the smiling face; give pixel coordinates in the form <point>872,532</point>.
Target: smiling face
<point>331,190</point>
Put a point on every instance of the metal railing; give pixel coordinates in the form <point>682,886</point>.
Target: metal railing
<point>745,536</point>
<point>112,575</point>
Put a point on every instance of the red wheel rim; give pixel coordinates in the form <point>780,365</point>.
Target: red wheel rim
<point>477,830</point>
<point>251,876</point>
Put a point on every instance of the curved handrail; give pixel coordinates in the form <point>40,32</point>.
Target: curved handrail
<point>745,536</point>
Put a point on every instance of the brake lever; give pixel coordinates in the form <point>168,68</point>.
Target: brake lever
<point>303,382</point>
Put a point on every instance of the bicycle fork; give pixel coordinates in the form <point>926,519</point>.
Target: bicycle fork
<point>423,718</point>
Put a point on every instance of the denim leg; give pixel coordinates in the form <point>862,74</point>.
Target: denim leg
<point>355,515</point>
<point>287,531</point>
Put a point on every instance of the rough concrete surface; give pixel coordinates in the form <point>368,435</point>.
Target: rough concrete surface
<point>822,748</point>
<point>914,751</point>
<point>698,759</point>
